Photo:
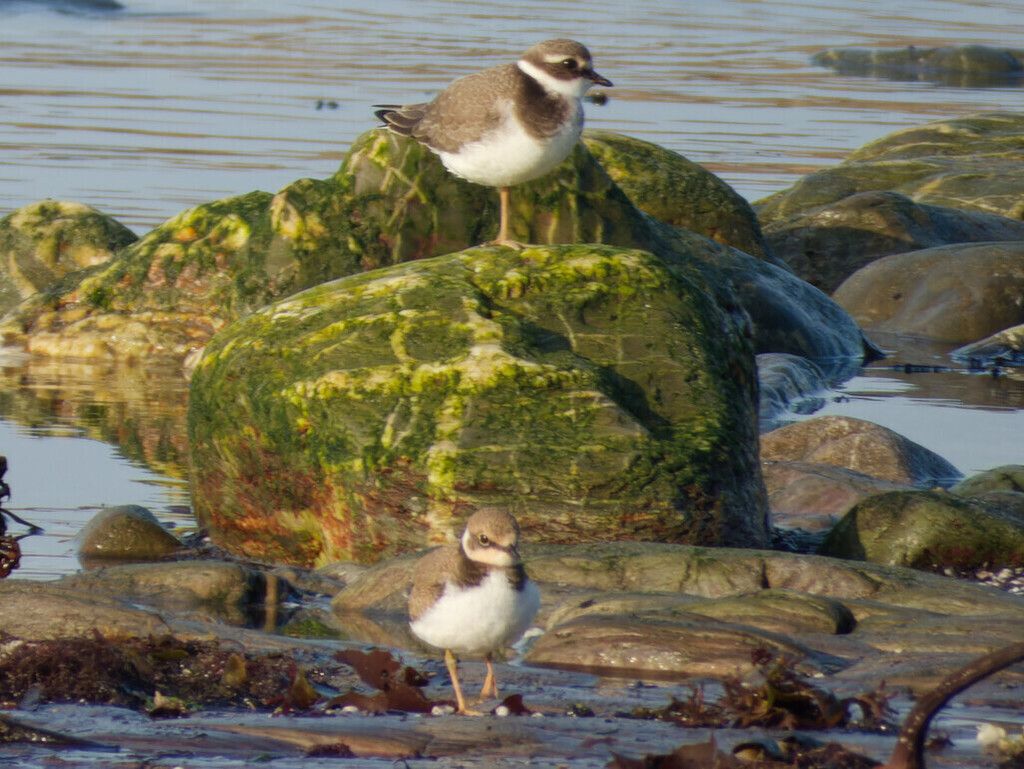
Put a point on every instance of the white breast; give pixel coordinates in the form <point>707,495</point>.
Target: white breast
<point>478,619</point>
<point>509,155</point>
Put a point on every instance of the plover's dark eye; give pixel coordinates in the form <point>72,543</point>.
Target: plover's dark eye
<point>570,64</point>
<point>484,540</point>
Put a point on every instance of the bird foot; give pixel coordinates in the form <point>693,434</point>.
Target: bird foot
<point>508,243</point>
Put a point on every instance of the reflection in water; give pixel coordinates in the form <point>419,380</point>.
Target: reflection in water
<point>973,420</point>
<point>93,408</point>
<point>140,409</point>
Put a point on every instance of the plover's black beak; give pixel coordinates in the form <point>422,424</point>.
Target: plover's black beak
<point>598,80</point>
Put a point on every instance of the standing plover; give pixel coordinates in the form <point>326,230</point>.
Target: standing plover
<point>508,124</point>
<point>474,597</point>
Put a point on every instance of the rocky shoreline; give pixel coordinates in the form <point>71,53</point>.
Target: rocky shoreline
<point>361,377</point>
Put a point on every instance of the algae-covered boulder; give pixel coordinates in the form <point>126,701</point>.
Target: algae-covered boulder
<point>826,244</point>
<point>928,530</point>
<point>974,163</point>
<point>391,201</point>
<point>598,393</point>
<point>125,532</point>
<point>44,241</point>
<point>165,294</point>
<point>1003,478</point>
<point>677,191</point>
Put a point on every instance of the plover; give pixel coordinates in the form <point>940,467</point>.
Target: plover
<point>508,124</point>
<point>474,597</point>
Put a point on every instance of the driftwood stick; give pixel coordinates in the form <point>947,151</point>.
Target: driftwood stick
<point>909,750</point>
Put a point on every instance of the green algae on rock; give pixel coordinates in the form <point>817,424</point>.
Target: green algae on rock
<point>963,66</point>
<point>44,241</point>
<point>391,201</point>
<point>597,392</point>
<point>928,530</point>
<point>677,191</point>
<point>826,244</point>
<point>972,163</point>
<point>164,294</point>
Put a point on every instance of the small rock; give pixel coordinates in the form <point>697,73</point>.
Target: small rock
<point>126,533</point>
<point>861,446</point>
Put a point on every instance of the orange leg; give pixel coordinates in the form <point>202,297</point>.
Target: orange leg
<point>505,199</point>
<point>453,671</point>
<point>490,683</point>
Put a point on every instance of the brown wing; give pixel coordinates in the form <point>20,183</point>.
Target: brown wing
<point>462,112</point>
<point>428,579</point>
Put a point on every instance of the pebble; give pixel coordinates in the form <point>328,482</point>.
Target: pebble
<point>1009,578</point>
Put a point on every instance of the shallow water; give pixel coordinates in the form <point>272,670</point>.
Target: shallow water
<point>150,109</point>
<point>168,103</point>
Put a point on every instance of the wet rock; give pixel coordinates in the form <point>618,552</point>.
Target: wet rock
<point>391,201</point>
<point>963,66</point>
<point>827,244</point>
<point>791,316</point>
<point>952,293</point>
<point>928,530</point>
<point>381,587</point>
<point>1003,478</point>
<point>309,581</point>
<point>860,446</point>
<point>344,572</point>
<point>677,191</point>
<point>42,242</point>
<point>44,610</point>
<point>569,572</point>
<point>225,589</point>
<point>659,648</point>
<point>642,609</point>
<point>787,383</point>
<point>127,533</point>
<point>814,495</point>
<point>786,612</point>
<point>972,163</point>
<point>1005,348</point>
<point>364,417</point>
<point>1000,487</point>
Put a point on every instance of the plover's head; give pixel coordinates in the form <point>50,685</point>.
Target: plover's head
<point>492,537</point>
<point>562,66</point>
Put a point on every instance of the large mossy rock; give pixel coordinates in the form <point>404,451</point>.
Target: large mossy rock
<point>827,244</point>
<point>167,293</point>
<point>42,242</point>
<point>392,201</point>
<point>973,164</point>
<point>677,191</point>
<point>598,393</point>
<point>929,530</point>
